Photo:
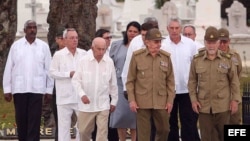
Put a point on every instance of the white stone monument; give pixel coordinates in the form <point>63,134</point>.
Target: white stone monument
<point>237,18</point>
<point>135,10</point>
<point>112,16</point>
<point>207,14</point>
<point>33,10</point>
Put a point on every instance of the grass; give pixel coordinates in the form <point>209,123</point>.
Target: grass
<point>7,113</point>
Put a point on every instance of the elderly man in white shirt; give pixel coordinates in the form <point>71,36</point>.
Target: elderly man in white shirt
<point>190,32</point>
<point>94,81</point>
<point>62,69</point>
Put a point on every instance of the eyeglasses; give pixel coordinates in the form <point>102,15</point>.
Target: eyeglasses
<point>187,34</point>
<point>107,38</point>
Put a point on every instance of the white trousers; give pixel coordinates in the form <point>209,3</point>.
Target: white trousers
<point>64,113</point>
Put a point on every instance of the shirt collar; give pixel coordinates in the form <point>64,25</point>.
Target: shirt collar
<point>217,56</point>
<point>92,58</point>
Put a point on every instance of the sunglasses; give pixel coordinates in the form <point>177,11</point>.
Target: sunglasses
<point>107,38</point>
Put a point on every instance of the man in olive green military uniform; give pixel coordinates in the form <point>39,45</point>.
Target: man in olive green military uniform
<point>150,87</point>
<point>235,57</point>
<point>213,87</point>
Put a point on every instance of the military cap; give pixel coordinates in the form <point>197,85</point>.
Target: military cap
<point>223,34</point>
<point>153,34</point>
<point>59,32</point>
<point>211,34</point>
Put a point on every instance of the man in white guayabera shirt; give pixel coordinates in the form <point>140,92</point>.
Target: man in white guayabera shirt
<point>95,81</point>
<point>182,50</point>
<point>62,69</point>
<point>26,78</point>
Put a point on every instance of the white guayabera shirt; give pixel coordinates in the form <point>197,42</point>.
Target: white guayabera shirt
<point>27,68</point>
<point>62,64</point>
<point>96,80</point>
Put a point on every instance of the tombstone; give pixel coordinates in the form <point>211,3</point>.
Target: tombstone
<point>237,18</point>
<point>35,10</point>
<point>167,11</point>
<point>116,9</point>
<point>104,17</point>
<point>135,10</point>
<point>186,11</point>
<point>207,14</point>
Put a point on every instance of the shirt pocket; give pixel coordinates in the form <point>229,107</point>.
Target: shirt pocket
<point>222,73</point>
<point>86,77</point>
<point>162,97</point>
<point>164,71</point>
<point>201,73</point>
<point>142,71</point>
<point>106,76</point>
<point>19,82</point>
<point>39,83</point>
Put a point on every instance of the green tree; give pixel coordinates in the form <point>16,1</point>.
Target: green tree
<point>159,3</point>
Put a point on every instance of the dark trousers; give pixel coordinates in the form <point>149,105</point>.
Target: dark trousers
<point>188,119</point>
<point>28,110</point>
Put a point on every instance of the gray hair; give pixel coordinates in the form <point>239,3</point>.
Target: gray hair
<point>150,19</point>
<point>66,31</point>
<point>191,26</point>
<point>28,22</point>
<point>173,20</point>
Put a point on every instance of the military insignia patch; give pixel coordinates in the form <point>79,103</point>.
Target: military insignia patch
<point>164,64</point>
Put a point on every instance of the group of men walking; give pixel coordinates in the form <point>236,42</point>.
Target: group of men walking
<point>167,80</point>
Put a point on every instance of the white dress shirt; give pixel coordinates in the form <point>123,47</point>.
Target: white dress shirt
<point>96,80</point>
<point>135,44</point>
<point>62,64</point>
<point>198,46</point>
<point>27,67</point>
<point>182,54</point>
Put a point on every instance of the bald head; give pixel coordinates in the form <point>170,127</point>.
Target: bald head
<point>98,48</point>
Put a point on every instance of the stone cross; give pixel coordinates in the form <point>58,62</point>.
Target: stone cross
<point>33,5</point>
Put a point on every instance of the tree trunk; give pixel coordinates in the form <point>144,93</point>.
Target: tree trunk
<point>78,14</point>
<point>8,28</point>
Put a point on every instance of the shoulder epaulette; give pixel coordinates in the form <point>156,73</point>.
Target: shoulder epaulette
<point>164,52</point>
<point>225,55</point>
<point>202,49</point>
<point>139,51</point>
<point>199,54</point>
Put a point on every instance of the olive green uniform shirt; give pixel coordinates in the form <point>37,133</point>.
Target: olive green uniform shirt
<point>235,57</point>
<point>150,80</point>
<point>213,82</point>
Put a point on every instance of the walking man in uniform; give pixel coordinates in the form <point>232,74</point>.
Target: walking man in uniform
<point>213,87</point>
<point>235,57</point>
<point>150,87</point>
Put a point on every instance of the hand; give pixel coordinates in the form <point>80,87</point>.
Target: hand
<point>125,95</point>
<point>233,106</point>
<point>196,106</point>
<point>133,106</point>
<point>112,108</point>
<point>8,97</point>
<point>85,99</point>
<point>169,107</point>
<point>47,98</point>
<point>72,74</point>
